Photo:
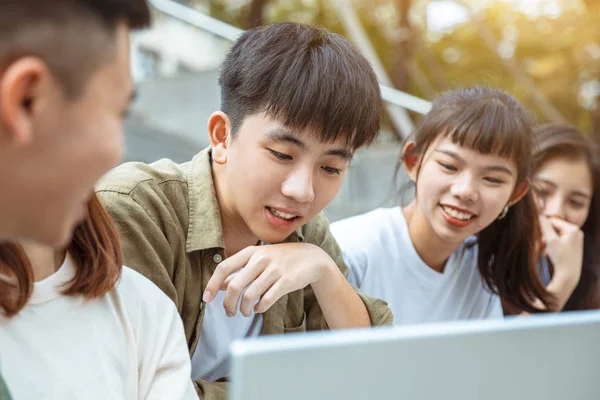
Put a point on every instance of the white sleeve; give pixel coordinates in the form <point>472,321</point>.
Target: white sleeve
<point>164,361</point>
<point>353,253</point>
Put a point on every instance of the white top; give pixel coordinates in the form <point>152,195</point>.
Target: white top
<point>383,263</point>
<point>128,344</point>
<point>211,357</point>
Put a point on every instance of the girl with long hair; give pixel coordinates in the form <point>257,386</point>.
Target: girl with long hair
<point>566,183</point>
<point>468,239</point>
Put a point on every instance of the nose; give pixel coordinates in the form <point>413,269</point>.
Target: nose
<point>299,185</point>
<point>554,207</point>
<point>465,189</point>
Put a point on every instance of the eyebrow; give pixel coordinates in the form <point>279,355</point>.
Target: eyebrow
<point>576,192</point>
<point>280,135</point>
<point>496,168</point>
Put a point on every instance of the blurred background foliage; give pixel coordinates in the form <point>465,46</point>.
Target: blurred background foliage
<point>544,52</point>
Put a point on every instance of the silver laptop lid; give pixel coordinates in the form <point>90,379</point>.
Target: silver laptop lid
<point>554,357</point>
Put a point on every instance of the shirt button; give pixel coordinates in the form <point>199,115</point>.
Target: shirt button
<point>217,258</point>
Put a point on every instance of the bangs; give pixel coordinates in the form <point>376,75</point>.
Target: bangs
<point>562,140</point>
<point>482,119</point>
<point>490,127</point>
<point>321,92</point>
<point>306,78</point>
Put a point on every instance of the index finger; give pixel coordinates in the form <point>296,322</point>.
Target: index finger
<point>562,226</point>
<point>224,269</point>
<point>548,231</point>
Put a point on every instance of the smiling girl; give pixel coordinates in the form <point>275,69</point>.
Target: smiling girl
<point>469,237</point>
<point>566,181</point>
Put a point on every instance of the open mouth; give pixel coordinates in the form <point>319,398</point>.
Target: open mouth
<point>456,217</point>
<point>280,219</point>
<point>281,214</point>
<point>460,215</point>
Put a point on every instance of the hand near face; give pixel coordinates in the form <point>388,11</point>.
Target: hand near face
<point>564,247</point>
<point>265,274</point>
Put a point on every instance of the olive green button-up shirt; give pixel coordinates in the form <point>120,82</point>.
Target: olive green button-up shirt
<point>169,223</point>
<point>4,394</point>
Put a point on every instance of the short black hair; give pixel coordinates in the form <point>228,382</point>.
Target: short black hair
<point>304,76</point>
<point>73,37</point>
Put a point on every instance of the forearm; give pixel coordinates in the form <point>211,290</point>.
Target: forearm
<point>340,304</point>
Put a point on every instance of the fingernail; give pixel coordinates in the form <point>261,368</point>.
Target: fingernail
<point>207,296</point>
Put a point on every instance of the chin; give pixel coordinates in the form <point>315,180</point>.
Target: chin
<point>449,236</point>
<point>57,239</point>
<point>269,236</point>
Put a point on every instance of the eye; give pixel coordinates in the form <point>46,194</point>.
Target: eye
<point>331,170</point>
<point>576,204</point>
<point>280,156</point>
<point>447,166</point>
<point>495,181</point>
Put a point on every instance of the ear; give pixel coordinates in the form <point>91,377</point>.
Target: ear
<point>218,133</point>
<point>20,89</point>
<point>520,191</point>
<point>410,159</point>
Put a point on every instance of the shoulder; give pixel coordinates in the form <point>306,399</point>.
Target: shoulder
<point>137,190</point>
<point>319,228</point>
<point>370,220</point>
<point>133,177</point>
<point>374,226</point>
<point>141,296</point>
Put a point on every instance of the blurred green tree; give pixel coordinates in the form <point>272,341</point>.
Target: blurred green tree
<point>550,63</point>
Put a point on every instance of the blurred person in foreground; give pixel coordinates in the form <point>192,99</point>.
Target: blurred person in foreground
<point>73,322</point>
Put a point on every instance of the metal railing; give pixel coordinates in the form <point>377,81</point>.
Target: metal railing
<point>226,31</point>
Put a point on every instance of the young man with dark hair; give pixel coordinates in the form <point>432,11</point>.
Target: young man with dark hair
<point>64,86</point>
<point>235,237</point>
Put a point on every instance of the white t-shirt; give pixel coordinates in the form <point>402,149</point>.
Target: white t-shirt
<point>384,264</point>
<point>128,344</point>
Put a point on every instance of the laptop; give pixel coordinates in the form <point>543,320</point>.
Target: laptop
<point>550,357</point>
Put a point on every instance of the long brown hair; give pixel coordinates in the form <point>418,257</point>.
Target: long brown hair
<point>95,249</point>
<point>562,140</point>
<point>492,122</point>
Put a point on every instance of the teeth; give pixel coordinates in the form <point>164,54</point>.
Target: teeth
<point>281,214</point>
<point>457,214</point>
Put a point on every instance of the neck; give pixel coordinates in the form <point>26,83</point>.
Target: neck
<point>44,260</point>
<point>433,251</point>
<point>236,234</point>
